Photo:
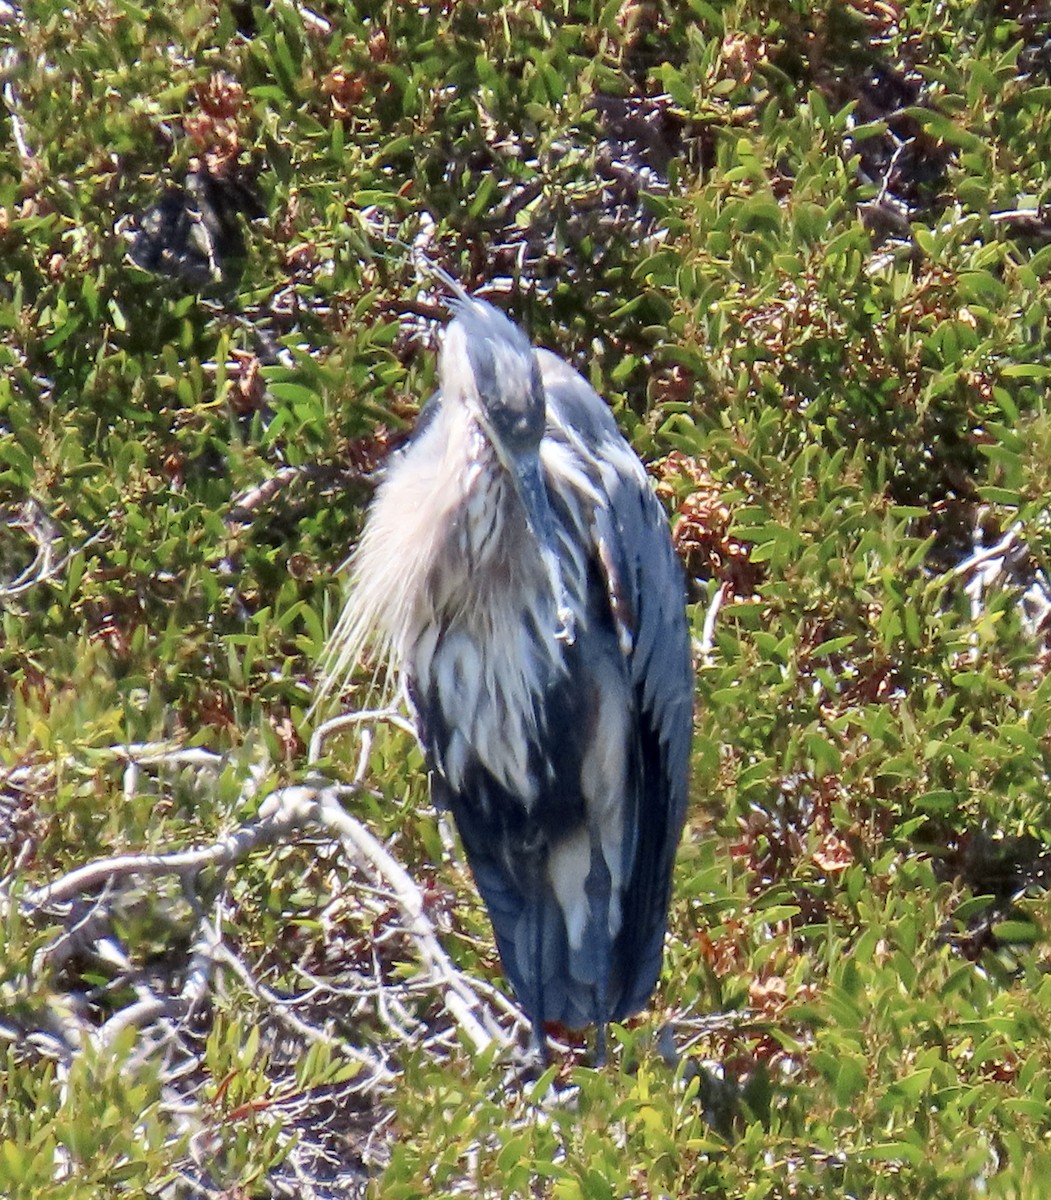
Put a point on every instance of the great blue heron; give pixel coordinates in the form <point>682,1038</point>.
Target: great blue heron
<point>518,571</point>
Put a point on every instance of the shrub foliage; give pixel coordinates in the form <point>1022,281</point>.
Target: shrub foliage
<point>804,251</point>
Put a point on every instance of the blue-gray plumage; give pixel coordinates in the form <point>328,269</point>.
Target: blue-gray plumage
<point>518,570</point>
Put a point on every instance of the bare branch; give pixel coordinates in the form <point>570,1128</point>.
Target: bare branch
<point>708,632</point>
<point>283,812</point>
<point>158,1005</point>
<point>372,716</point>
<point>463,1003</point>
<point>280,814</point>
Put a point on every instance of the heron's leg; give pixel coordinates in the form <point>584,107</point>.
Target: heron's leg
<point>600,1044</point>
<point>538,1042</point>
<point>598,887</point>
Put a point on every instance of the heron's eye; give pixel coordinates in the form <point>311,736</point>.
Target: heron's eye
<point>518,426</point>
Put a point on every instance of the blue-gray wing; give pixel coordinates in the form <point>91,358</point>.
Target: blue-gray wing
<point>631,542</point>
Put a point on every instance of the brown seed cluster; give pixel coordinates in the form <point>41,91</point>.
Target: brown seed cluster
<point>741,53</point>
<point>214,128</point>
<point>883,19</point>
<point>346,86</point>
<point>247,387</point>
<point>344,90</point>
<point>637,18</point>
<point>702,532</point>
<point>365,454</point>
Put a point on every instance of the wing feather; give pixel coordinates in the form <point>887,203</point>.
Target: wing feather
<point>644,582</point>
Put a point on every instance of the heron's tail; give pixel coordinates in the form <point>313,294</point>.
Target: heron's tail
<point>573,985</point>
<point>534,949</point>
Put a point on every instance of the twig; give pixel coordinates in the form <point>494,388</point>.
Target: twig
<point>334,725</point>
<point>30,517</point>
<point>44,565</point>
<point>999,550</point>
<point>984,567</point>
<point>1026,222</point>
<point>708,630</point>
<point>243,509</point>
<point>311,20</point>
<point>201,968</point>
<point>143,1012</point>
<point>1010,562</point>
<point>280,814</point>
<point>11,100</point>
<point>277,1006</point>
<point>149,754</point>
<point>463,1003</point>
<point>892,166</point>
<point>83,932</point>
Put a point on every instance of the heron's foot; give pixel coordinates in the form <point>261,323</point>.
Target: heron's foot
<point>538,1045</point>
<point>528,1063</point>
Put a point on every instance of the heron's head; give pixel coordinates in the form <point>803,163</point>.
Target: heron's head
<point>488,365</point>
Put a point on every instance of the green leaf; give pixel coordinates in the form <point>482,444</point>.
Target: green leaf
<point>1019,932</point>
<point>892,1152</point>
<point>1026,371</point>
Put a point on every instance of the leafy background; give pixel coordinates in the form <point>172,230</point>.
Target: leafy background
<point>804,252</point>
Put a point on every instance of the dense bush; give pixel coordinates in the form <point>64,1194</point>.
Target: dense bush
<point>804,252</point>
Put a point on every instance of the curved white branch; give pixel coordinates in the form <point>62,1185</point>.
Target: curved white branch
<point>281,813</point>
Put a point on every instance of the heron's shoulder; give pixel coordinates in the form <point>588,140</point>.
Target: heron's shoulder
<point>572,401</point>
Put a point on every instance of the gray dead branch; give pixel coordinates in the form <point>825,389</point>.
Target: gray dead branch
<point>358,1014</point>
<point>1007,562</point>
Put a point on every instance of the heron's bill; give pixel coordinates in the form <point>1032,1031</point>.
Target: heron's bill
<point>529,483</point>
